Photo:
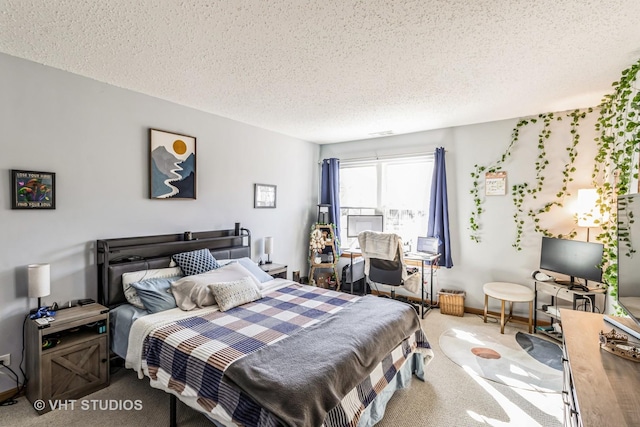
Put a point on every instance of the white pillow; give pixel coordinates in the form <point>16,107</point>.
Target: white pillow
<point>191,292</point>
<point>235,293</point>
<point>130,292</point>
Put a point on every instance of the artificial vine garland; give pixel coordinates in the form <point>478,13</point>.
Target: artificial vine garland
<point>519,192</point>
<point>616,163</point>
<point>615,168</point>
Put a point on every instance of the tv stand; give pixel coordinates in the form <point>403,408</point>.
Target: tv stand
<point>574,285</point>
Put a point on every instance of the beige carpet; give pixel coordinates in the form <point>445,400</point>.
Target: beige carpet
<point>451,396</point>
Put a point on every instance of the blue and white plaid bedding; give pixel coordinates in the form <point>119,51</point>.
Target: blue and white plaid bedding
<point>188,357</point>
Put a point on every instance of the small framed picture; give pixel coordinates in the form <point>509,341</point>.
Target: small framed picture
<point>172,165</point>
<point>264,196</point>
<point>33,190</point>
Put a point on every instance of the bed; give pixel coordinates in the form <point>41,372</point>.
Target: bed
<point>282,354</point>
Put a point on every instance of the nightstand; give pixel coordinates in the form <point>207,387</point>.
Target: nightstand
<point>275,270</point>
<point>68,358</point>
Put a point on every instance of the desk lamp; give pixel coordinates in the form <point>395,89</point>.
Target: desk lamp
<point>39,281</point>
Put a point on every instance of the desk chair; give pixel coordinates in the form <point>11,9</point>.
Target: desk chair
<point>387,273</point>
<point>383,257</point>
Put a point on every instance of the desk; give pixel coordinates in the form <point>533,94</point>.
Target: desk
<point>422,259</point>
<point>431,259</point>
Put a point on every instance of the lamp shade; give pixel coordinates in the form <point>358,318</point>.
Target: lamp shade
<point>39,280</point>
<point>268,245</point>
<point>587,212</point>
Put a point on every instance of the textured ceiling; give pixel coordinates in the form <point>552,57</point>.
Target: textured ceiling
<point>338,70</point>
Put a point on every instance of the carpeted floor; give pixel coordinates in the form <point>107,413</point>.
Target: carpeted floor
<point>451,396</point>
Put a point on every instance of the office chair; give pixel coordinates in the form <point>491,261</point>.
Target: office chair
<point>384,263</point>
<point>387,273</point>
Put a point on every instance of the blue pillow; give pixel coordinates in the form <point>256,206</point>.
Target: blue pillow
<point>155,294</point>
<point>254,269</point>
<point>196,262</point>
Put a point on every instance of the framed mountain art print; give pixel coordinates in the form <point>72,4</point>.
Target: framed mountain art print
<point>172,165</point>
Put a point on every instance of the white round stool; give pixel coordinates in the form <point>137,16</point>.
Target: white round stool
<point>508,292</point>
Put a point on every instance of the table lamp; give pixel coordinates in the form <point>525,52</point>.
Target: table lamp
<point>268,248</point>
<point>39,281</point>
<point>323,213</point>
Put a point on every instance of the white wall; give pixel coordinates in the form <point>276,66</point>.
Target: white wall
<point>95,138</point>
<point>494,258</point>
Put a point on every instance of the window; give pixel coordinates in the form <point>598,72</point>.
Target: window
<point>399,189</point>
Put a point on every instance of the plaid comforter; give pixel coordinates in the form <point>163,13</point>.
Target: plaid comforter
<point>189,356</point>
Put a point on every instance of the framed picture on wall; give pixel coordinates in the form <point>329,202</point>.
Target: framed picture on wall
<point>264,196</point>
<point>172,165</point>
<point>33,190</point>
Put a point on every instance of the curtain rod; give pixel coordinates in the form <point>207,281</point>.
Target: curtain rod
<point>388,156</point>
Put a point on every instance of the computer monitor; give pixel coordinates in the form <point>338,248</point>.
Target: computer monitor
<point>576,259</point>
<point>359,223</point>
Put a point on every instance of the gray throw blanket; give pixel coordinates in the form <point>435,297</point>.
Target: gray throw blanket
<point>303,377</point>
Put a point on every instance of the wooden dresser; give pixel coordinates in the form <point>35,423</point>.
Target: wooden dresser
<point>600,389</point>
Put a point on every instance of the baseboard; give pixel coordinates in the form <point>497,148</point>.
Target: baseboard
<point>470,310</point>
<point>9,393</point>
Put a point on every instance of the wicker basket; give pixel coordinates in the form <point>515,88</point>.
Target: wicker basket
<point>451,302</point>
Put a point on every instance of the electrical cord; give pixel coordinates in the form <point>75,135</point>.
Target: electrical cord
<point>11,400</point>
<point>19,388</point>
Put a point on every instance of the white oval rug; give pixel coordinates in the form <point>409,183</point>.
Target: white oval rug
<point>499,359</point>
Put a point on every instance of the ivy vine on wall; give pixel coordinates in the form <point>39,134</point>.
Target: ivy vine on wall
<point>615,168</point>
<point>520,192</point>
<point>616,162</point>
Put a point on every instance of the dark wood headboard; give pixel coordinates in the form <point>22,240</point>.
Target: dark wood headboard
<point>123,255</point>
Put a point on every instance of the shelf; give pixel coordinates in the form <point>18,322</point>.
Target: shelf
<point>557,292</point>
<point>323,265</point>
<point>555,335</point>
<point>546,313</point>
<point>71,338</point>
<point>329,250</point>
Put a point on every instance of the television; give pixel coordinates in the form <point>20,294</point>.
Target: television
<point>358,223</point>
<point>573,258</point>
<point>628,254</point>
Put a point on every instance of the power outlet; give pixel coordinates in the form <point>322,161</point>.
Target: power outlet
<point>5,359</point>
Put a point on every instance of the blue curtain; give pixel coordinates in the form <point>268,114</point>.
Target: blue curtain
<point>439,209</point>
<point>330,192</point>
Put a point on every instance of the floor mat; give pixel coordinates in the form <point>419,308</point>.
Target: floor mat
<point>542,350</point>
<point>501,359</point>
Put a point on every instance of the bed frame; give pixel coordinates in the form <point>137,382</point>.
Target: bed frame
<point>117,256</point>
<point>122,255</point>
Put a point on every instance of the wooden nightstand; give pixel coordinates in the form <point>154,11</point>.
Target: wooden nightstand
<point>78,364</point>
<point>275,270</point>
